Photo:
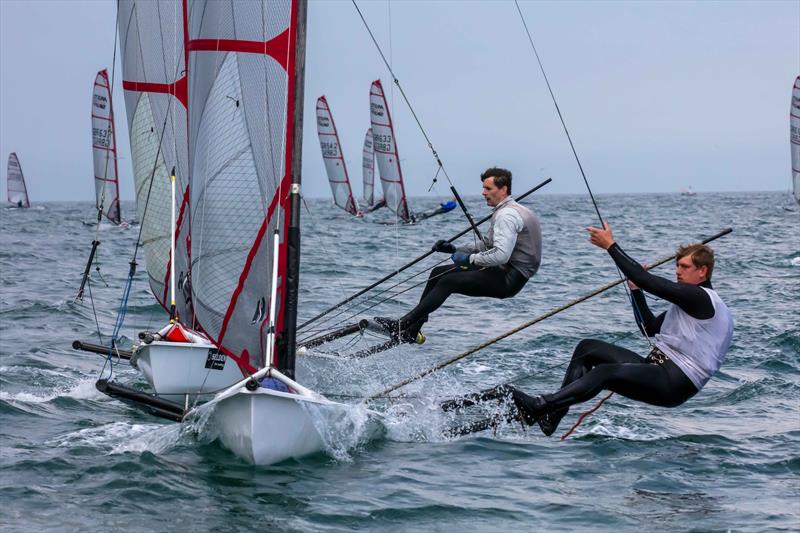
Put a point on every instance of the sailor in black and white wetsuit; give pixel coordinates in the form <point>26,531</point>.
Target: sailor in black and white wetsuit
<point>691,340</point>
<point>498,267</point>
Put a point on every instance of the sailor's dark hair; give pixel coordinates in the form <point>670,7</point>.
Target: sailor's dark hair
<point>502,177</point>
<point>700,254</point>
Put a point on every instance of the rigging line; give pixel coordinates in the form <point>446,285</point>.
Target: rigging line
<point>558,110</point>
<point>402,92</point>
<point>519,328</point>
<point>94,311</point>
<point>574,151</point>
<point>314,332</point>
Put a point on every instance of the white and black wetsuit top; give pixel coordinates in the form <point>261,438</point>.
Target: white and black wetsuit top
<point>695,332</point>
<point>514,238</point>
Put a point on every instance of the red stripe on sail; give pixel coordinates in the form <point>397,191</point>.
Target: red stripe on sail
<point>276,47</point>
<point>178,89</point>
<point>178,223</point>
<point>249,262</point>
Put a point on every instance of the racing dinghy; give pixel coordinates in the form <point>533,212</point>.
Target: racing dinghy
<point>368,171</point>
<point>17,192</point>
<point>104,150</point>
<point>335,166</point>
<point>245,141</point>
<point>180,364</point>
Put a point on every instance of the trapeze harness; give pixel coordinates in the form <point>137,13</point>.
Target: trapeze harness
<point>691,340</point>
<point>509,256</point>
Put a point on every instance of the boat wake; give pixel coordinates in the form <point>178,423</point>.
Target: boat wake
<point>123,437</point>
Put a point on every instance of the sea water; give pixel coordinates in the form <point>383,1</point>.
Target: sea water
<point>72,459</point>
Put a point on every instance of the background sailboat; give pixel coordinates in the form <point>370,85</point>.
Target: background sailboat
<point>368,173</point>
<point>17,191</point>
<point>104,150</point>
<point>335,165</point>
<point>385,146</point>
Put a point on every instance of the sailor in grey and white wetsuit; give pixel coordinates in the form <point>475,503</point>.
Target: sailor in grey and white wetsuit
<point>497,268</point>
<point>691,340</point>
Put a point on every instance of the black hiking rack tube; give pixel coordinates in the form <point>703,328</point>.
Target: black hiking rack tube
<point>336,334</point>
<point>102,350</point>
<point>147,402</point>
<point>412,263</point>
<point>95,244</point>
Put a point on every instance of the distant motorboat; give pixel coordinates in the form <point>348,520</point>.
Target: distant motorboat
<point>688,192</point>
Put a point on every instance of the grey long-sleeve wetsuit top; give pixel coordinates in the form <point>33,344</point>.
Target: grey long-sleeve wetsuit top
<point>514,237</point>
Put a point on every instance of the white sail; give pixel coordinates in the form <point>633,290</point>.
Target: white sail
<point>104,149</point>
<point>368,166</point>
<point>334,160</point>
<point>152,44</point>
<point>17,192</point>
<point>385,145</point>
<point>794,126</point>
<point>240,111</point>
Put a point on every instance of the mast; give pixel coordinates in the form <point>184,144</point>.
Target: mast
<point>286,348</point>
<point>794,126</point>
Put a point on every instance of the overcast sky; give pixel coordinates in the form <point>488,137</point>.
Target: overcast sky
<point>657,96</point>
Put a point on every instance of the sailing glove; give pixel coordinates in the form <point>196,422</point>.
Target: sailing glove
<point>444,247</point>
<point>461,259</point>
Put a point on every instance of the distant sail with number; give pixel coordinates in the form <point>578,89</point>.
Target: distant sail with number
<point>385,146</point>
<point>368,167</point>
<point>104,149</point>
<point>17,192</point>
<point>794,128</point>
<point>153,49</point>
<point>334,160</point>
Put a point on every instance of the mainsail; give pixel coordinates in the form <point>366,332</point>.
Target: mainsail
<point>334,160</point>
<point>242,109</point>
<point>385,146</point>
<point>104,149</point>
<point>17,192</point>
<point>152,43</point>
<point>368,166</point>
<point>794,128</point>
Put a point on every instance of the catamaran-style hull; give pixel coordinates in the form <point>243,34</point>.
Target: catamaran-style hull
<point>266,426</point>
<point>175,369</point>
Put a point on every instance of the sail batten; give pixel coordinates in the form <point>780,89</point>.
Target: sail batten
<point>335,166</point>
<point>104,149</point>
<point>385,148</point>
<point>15,182</point>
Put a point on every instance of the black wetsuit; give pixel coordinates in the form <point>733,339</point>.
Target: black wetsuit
<point>501,281</point>
<point>597,365</point>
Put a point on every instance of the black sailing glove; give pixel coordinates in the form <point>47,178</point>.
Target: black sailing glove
<point>444,247</point>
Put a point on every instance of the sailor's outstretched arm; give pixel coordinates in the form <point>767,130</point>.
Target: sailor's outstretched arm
<point>691,298</point>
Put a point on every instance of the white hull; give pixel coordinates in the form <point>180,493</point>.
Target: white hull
<point>176,370</point>
<point>266,426</point>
